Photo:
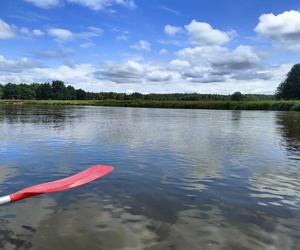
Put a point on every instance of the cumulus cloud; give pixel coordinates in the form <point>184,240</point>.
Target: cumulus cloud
<point>6,31</point>
<point>67,73</point>
<point>132,72</point>
<point>61,35</point>
<point>162,75</point>
<point>129,72</point>
<point>172,30</point>
<point>178,64</point>
<point>202,54</point>
<point>220,64</point>
<point>45,4</point>
<point>146,77</point>
<point>142,45</point>
<point>282,29</point>
<point>207,60</point>
<point>202,34</point>
<point>243,57</point>
<point>16,66</point>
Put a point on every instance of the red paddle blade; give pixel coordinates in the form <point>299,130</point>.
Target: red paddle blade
<point>86,176</point>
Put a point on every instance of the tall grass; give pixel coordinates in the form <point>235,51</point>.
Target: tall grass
<point>232,105</point>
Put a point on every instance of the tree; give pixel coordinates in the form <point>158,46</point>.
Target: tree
<point>70,93</point>
<point>27,92</point>
<point>290,88</point>
<point>59,90</point>
<point>237,96</point>
<point>80,94</point>
<point>44,91</point>
<point>11,91</point>
<point>1,91</point>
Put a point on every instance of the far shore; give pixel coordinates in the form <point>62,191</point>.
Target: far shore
<point>292,105</point>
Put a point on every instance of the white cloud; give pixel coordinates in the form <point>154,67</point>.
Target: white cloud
<point>64,35</point>
<point>142,45</point>
<point>16,66</point>
<point>172,30</point>
<point>45,4</point>
<point>202,34</point>
<point>103,4</point>
<point>201,54</point>
<point>10,31</point>
<point>37,32</point>
<point>243,57</point>
<point>178,64</point>
<point>209,66</point>
<point>128,72</point>
<point>61,35</point>
<point>146,77</point>
<point>283,29</point>
<point>161,76</point>
<point>27,32</point>
<point>6,30</point>
<point>78,72</point>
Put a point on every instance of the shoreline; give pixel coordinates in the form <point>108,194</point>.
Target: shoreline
<point>292,105</point>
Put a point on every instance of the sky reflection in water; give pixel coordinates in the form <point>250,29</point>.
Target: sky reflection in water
<point>184,179</point>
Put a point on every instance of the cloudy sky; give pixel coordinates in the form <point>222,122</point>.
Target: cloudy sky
<point>217,46</point>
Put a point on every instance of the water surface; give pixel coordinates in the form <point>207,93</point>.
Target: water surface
<point>183,179</point>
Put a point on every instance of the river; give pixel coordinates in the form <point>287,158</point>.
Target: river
<point>183,179</point>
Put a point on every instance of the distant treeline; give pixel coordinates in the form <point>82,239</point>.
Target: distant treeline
<point>57,90</point>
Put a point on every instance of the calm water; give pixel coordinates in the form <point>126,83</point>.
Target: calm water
<point>183,179</point>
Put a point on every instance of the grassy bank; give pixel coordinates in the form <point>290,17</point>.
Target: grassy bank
<point>231,105</point>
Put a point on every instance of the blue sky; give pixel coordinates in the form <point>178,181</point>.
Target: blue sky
<point>217,46</point>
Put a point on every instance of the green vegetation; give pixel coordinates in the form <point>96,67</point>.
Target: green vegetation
<point>58,91</point>
<point>290,88</point>
<point>237,96</point>
<point>232,105</point>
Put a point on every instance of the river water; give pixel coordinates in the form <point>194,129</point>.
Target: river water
<point>183,179</point>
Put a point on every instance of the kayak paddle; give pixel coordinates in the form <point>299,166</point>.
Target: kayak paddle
<point>84,177</point>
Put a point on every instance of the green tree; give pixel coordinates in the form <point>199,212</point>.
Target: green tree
<point>290,88</point>
<point>1,91</point>
<point>59,90</point>
<point>80,94</point>
<point>237,96</point>
<point>11,91</point>
<point>27,92</point>
<point>44,91</point>
<point>70,93</point>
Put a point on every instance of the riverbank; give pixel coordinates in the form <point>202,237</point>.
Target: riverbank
<point>229,105</point>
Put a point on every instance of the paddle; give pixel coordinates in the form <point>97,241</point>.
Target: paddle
<point>86,176</point>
